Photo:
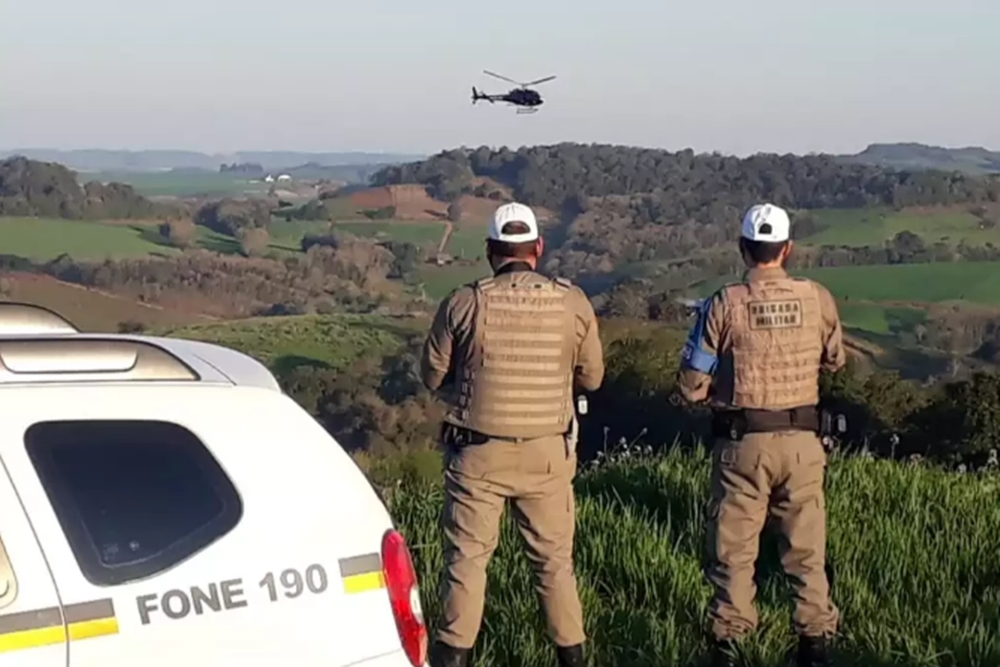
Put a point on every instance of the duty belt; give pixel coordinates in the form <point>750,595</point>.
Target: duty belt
<point>734,424</point>
<point>460,436</point>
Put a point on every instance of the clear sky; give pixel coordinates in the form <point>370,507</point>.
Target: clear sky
<point>731,75</point>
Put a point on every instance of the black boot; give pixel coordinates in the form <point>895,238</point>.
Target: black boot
<point>570,656</point>
<point>814,652</point>
<point>442,655</point>
<point>723,653</point>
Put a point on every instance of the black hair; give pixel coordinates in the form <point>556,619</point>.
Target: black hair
<point>762,252</point>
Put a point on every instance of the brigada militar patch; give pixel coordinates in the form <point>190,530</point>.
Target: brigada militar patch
<point>775,314</point>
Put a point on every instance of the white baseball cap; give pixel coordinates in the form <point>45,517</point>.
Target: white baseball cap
<point>766,222</point>
<point>513,212</point>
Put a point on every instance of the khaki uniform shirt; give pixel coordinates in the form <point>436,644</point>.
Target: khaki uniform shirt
<point>454,326</point>
<point>708,371</point>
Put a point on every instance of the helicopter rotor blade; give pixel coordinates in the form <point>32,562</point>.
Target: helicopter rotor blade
<point>500,76</point>
<point>535,83</point>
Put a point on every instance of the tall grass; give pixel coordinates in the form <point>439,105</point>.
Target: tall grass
<point>915,551</point>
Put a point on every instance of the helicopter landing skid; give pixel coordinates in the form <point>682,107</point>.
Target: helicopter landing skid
<point>526,110</point>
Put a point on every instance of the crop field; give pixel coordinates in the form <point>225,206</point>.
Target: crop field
<point>422,234</point>
<point>283,342</point>
<point>879,319</point>
<point>468,241</point>
<point>181,183</point>
<point>43,239</point>
<point>439,281</point>
<point>915,553</point>
<point>287,235</point>
<point>856,227</point>
<point>969,281</point>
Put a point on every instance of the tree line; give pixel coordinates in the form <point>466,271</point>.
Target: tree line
<point>51,190</point>
<point>683,185</point>
<point>339,273</point>
<point>620,205</point>
<point>379,405</point>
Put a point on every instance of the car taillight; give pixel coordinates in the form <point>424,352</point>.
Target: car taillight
<point>404,595</point>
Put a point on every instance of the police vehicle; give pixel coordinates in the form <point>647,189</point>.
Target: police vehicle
<point>162,502</point>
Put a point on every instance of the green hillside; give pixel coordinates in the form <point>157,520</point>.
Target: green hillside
<point>861,227</point>
<point>326,340</point>
<point>907,545</point>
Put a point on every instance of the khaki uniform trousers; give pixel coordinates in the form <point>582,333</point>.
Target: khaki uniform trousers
<point>781,472</point>
<point>536,477</point>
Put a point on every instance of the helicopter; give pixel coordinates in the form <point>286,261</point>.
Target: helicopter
<point>523,97</point>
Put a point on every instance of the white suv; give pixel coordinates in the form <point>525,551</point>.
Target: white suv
<point>162,502</point>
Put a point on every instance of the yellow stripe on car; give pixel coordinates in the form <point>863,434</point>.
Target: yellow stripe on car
<point>362,573</point>
<point>44,627</point>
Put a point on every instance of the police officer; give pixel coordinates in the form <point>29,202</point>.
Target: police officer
<point>755,355</point>
<point>509,348</point>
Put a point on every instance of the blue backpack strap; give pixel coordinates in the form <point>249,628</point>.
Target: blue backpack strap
<point>692,356</point>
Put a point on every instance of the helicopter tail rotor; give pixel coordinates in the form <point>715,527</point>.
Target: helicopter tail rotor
<point>476,96</point>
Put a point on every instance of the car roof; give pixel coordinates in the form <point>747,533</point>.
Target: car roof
<point>37,345</point>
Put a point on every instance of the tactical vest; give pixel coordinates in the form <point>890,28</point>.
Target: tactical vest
<point>776,331</point>
<point>517,381</point>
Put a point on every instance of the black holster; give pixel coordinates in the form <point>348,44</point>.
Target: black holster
<point>734,424</point>
<point>457,437</point>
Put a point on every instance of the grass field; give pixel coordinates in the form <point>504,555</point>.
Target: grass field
<point>288,235</point>
<point>43,239</point>
<point>46,238</point>
<point>468,241</point>
<point>856,227</point>
<point>978,282</point>
<point>880,319</point>
<point>283,342</point>
<point>969,281</point>
<point>423,234</point>
<point>180,184</point>
<point>916,555</point>
<point>439,281</point>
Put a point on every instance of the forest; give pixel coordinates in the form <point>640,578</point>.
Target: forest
<point>48,189</point>
<point>619,204</point>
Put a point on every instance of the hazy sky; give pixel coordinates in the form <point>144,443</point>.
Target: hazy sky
<point>731,75</point>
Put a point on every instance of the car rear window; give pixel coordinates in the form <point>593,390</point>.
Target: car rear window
<point>133,497</point>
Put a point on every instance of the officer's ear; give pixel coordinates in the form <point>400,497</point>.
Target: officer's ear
<point>786,251</point>
<point>539,246</point>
